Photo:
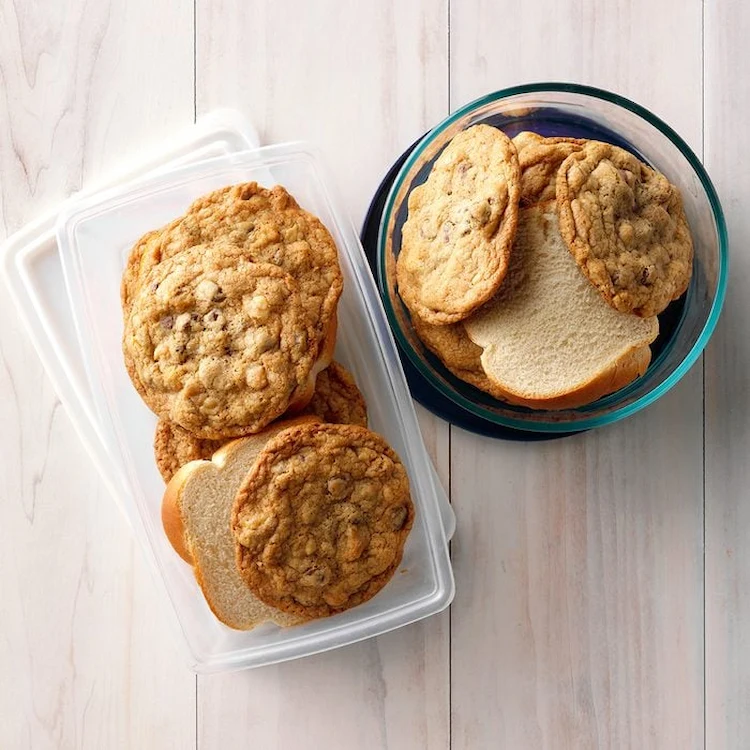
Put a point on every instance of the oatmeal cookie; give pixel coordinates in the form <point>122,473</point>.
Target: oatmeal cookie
<point>453,347</point>
<point>265,226</point>
<point>458,235</point>
<point>174,447</point>
<point>625,225</point>
<point>216,343</point>
<point>336,399</point>
<point>539,159</point>
<point>321,520</point>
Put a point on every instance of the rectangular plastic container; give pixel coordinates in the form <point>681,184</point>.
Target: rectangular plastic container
<point>94,235</point>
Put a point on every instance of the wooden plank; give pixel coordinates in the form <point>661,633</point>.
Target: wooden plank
<point>86,658</point>
<point>360,81</point>
<point>727,96</point>
<point>578,616</point>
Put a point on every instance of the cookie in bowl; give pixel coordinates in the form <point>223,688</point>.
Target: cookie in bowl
<point>458,235</point>
<point>625,225</point>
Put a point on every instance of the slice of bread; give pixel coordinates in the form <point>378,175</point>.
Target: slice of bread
<point>549,340</point>
<point>196,514</point>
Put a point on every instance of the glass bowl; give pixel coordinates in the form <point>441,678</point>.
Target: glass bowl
<point>552,109</point>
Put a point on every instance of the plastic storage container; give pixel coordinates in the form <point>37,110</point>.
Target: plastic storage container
<point>78,340</point>
<point>94,237</point>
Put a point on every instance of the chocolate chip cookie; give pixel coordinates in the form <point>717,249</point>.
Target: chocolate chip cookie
<point>265,226</point>
<point>216,343</point>
<point>539,159</point>
<point>458,235</point>
<point>336,399</point>
<point>453,347</point>
<point>625,225</point>
<point>174,447</point>
<point>321,519</point>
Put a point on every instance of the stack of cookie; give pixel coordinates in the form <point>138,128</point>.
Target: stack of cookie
<point>283,501</point>
<point>535,268</point>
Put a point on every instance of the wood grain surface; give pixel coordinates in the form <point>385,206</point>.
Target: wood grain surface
<point>87,658</point>
<point>727,581</point>
<point>603,588</point>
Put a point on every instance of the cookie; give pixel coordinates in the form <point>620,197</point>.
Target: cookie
<point>321,519</point>
<point>266,226</point>
<point>539,159</point>
<point>625,225</point>
<point>336,399</point>
<point>458,235</point>
<point>460,355</point>
<point>174,447</point>
<point>218,344</point>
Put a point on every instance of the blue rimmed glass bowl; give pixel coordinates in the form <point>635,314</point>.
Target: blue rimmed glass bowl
<point>553,109</point>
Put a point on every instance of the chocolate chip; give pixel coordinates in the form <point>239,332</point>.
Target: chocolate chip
<point>399,514</point>
<point>167,322</point>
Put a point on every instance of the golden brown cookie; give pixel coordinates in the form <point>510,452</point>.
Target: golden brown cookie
<point>458,235</point>
<point>218,344</point>
<point>174,447</point>
<point>266,226</point>
<point>625,225</point>
<point>336,399</point>
<point>539,159</point>
<point>453,347</point>
<point>321,519</point>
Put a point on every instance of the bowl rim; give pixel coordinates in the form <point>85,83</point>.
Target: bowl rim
<point>723,266</point>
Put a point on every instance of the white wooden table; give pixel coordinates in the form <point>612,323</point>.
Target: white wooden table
<point>603,581</point>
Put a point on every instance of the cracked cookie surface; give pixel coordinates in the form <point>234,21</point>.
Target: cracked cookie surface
<point>625,225</point>
<point>216,343</point>
<point>266,226</point>
<point>458,235</point>
<point>321,520</point>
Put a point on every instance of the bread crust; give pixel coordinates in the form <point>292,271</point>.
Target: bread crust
<point>619,374</point>
<point>171,511</point>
